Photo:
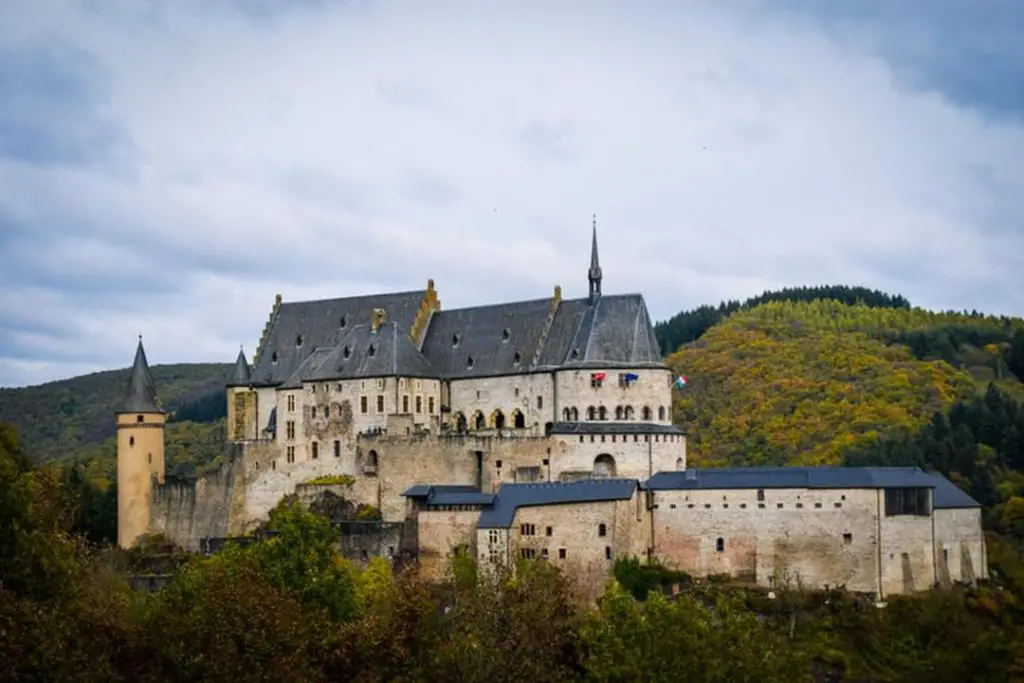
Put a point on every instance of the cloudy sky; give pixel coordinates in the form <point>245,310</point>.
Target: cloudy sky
<point>167,167</point>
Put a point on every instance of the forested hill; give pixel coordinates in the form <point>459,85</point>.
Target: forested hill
<point>687,326</point>
<point>63,419</point>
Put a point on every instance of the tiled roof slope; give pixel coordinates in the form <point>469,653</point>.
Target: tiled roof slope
<point>511,497</point>
<point>363,352</point>
<point>945,493</point>
<point>242,373</point>
<point>140,394</point>
<point>319,324</point>
<point>614,331</point>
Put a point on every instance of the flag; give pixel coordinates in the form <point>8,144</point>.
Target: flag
<point>680,381</point>
<point>599,376</point>
<point>631,377</point>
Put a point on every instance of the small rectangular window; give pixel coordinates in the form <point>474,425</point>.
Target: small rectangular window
<point>316,450</point>
<point>337,448</point>
<point>405,403</point>
<point>547,531</point>
<point>608,552</point>
<point>430,405</point>
<point>380,404</point>
<point>419,405</point>
<point>561,553</point>
<point>540,403</point>
<point>289,429</point>
<point>760,494</point>
<point>363,408</point>
<point>847,539</point>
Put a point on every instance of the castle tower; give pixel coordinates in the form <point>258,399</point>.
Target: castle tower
<point>140,451</point>
<point>242,406</point>
<point>594,274</point>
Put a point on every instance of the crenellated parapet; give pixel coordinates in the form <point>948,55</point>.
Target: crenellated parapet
<point>266,329</point>
<point>428,305</point>
<point>556,298</point>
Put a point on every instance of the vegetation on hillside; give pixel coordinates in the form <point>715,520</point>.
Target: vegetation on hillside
<point>59,419</point>
<point>803,382</point>
<point>688,326</point>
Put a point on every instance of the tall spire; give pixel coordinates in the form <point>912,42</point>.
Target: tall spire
<point>140,395</point>
<point>241,375</point>
<point>594,274</point>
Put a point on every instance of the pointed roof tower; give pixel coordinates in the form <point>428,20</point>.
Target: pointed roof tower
<point>140,396</point>
<point>241,375</point>
<point>594,274</point>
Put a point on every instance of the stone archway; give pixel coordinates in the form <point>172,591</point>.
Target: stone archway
<point>518,419</point>
<point>479,422</point>
<point>460,422</point>
<point>497,419</point>
<point>604,466</point>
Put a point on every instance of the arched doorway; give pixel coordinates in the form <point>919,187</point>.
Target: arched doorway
<point>460,423</point>
<point>478,421</point>
<point>604,466</point>
<point>498,419</point>
<point>518,419</point>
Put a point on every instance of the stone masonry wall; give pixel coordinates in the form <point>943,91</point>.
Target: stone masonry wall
<point>636,456</point>
<point>529,394</point>
<point>960,545</point>
<point>653,390</point>
<point>792,536</point>
<point>907,551</point>
<point>440,532</point>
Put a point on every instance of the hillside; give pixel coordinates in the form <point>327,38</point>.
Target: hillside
<point>71,417</point>
<point>804,382</point>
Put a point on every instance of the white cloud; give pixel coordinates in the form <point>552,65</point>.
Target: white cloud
<point>335,151</point>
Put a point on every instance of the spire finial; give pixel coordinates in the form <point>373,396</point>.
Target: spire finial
<point>594,274</point>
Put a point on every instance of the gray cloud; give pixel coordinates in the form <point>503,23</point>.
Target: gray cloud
<point>166,168</point>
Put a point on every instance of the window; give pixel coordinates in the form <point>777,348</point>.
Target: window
<point>289,429</point>
<point>419,405</point>
<point>602,413</point>
<point>602,530</point>
<point>618,412</point>
<point>291,403</point>
<point>561,553</point>
<point>527,530</point>
<point>518,420</point>
<point>760,494</point>
<point>430,405</point>
<point>596,380</point>
<point>469,363</point>
<point>337,448</point>
<point>315,453</point>
<point>327,411</point>
<point>661,412</point>
<point>342,322</point>
<point>362,405</point>
<point>131,440</point>
<point>608,552</point>
<point>540,403</point>
<point>290,454</point>
<point>149,457</point>
<point>907,501</point>
<point>528,553</point>
<point>405,403</point>
<point>298,340</point>
<point>646,413</point>
<point>547,531</point>
<point>591,413</point>
<point>140,418</point>
<point>380,404</point>
<point>544,553</point>
<point>565,414</point>
<point>720,545</point>
<point>847,539</point>
<point>313,411</point>
<point>273,357</point>
<point>455,340</point>
<point>505,334</point>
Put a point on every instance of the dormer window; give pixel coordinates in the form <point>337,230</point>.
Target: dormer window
<point>575,354</point>
<point>469,362</point>
<point>273,357</point>
<point>298,340</point>
<point>342,322</point>
<point>505,334</point>
<point>455,340</point>
<point>346,352</point>
<point>517,358</point>
<point>372,350</point>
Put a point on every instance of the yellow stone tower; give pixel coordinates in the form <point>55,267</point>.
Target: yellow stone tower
<point>140,451</point>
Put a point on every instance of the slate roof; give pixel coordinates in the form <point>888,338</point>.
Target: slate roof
<point>511,497</point>
<point>361,352</point>
<point>589,427</point>
<point>615,331</point>
<point>319,324</point>
<point>241,374</point>
<point>140,394</point>
<point>450,495</point>
<point>948,496</point>
<point>792,477</point>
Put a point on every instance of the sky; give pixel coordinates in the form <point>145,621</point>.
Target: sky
<point>166,168</point>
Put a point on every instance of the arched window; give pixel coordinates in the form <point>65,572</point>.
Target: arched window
<point>720,545</point>
<point>618,412</point>
<point>371,463</point>
<point>646,413</point>
<point>575,414</point>
<point>131,440</point>
<point>661,413</point>
<point>460,422</point>
<point>602,413</point>
<point>602,530</point>
<point>498,419</point>
<point>591,413</point>
<point>680,465</point>
<point>478,421</point>
<point>566,414</point>
<point>518,419</point>
<point>628,413</point>
<point>604,465</point>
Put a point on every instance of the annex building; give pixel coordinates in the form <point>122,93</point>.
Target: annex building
<point>537,429</point>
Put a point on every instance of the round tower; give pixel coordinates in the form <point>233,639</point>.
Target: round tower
<point>140,451</point>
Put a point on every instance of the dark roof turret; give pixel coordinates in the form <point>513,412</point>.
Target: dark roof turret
<point>241,374</point>
<point>140,395</point>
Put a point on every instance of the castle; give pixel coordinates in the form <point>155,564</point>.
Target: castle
<point>535,429</point>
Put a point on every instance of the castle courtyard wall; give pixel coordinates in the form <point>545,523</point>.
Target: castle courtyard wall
<point>652,389</point>
<point>440,532</point>
<point>507,393</point>
<point>960,546</point>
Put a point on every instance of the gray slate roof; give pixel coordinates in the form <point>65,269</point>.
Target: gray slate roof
<point>946,494</point>
<point>450,495</point>
<point>511,497</point>
<point>616,331</point>
<point>590,427</point>
<point>241,374</point>
<point>319,323</point>
<point>361,352</point>
<point>140,394</point>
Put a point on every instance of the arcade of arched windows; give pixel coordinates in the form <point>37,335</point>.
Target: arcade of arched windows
<point>621,413</point>
<point>497,419</point>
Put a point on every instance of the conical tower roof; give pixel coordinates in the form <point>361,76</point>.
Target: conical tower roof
<point>140,396</point>
<point>242,374</point>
